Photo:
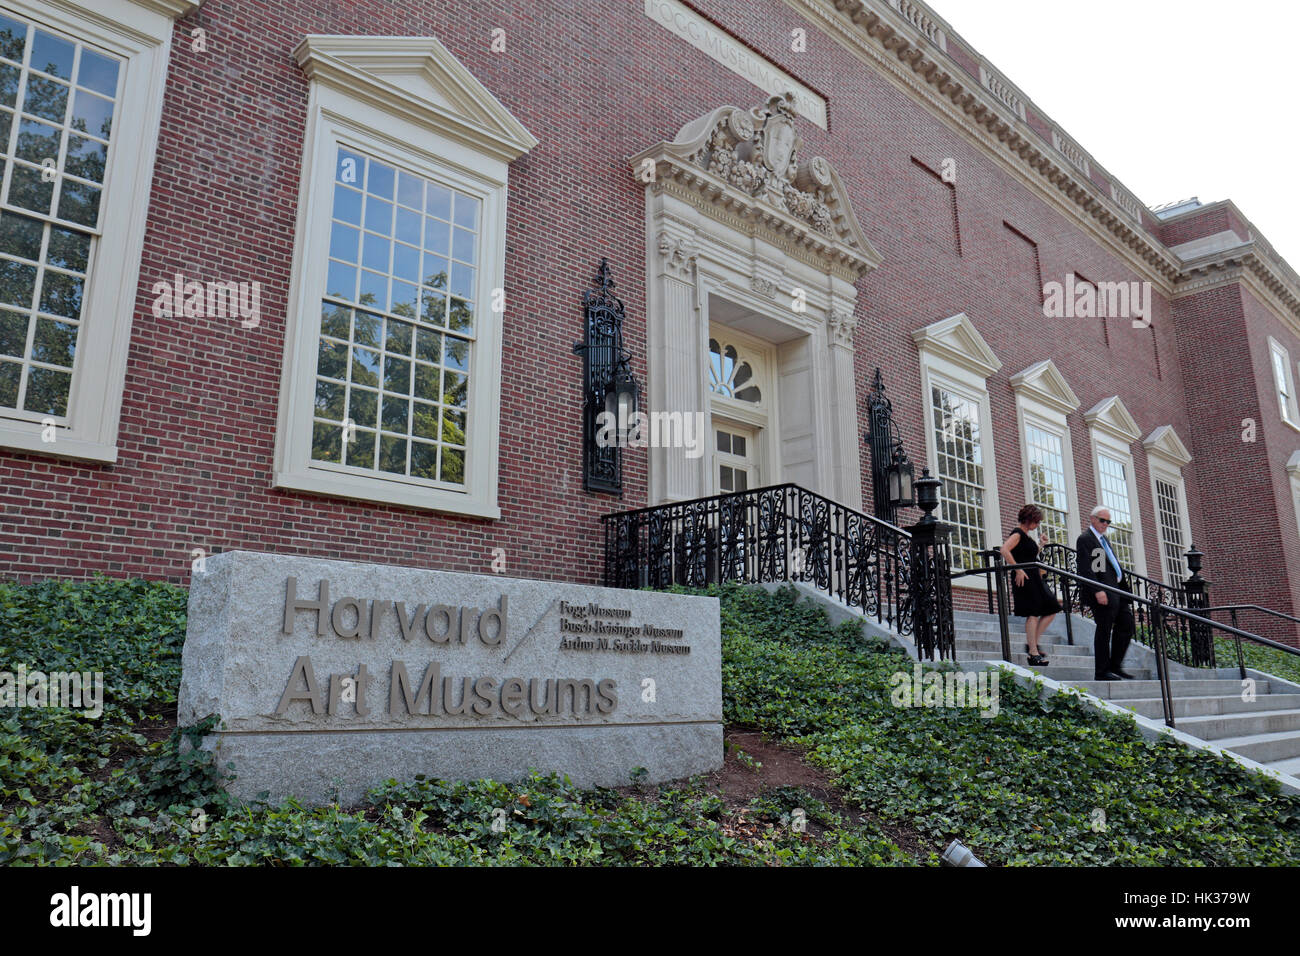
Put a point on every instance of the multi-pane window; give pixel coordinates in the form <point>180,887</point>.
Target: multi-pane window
<point>1284,382</point>
<point>956,422</point>
<point>730,375</point>
<point>1047,482</point>
<point>57,103</point>
<point>1115,496</point>
<point>397,323</point>
<point>1171,530</point>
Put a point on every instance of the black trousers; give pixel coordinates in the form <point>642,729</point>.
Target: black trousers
<point>1114,632</point>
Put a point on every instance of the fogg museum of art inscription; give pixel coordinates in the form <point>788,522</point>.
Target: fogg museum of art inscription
<point>330,677</point>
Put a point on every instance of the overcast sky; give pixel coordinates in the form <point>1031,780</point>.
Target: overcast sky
<point>1176,99</point>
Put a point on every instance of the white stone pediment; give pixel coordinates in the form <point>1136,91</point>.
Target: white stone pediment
<point>957,340</point>
<point>1111,416</point>
<point>417,77</point>
<point>1045,383</point>
<point>745,167</point>
<point>1165,443</point>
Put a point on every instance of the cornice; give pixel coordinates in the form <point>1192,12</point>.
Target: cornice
<point>1165,443</point>
<point>176,9</point>
<point>957,340</point>
<point>880,35</point>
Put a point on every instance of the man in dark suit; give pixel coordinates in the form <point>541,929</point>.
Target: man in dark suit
<point>1112,613</point>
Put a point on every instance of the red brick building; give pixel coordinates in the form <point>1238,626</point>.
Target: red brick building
<point>307,277</point>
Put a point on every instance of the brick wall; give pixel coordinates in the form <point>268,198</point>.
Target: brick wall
<point>200,406</point>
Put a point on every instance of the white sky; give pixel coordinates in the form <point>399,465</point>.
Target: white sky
<point>1176,98</point>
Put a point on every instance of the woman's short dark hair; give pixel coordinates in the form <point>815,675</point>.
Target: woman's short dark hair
<point>1029,514</point>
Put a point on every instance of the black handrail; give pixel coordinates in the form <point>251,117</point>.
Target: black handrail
<point>1232,609</point>
<point>1189,644</point>
<point>777,533</point>
<point>1157,608</point>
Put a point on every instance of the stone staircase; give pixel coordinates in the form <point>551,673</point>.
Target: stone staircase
<point>1208,704</point>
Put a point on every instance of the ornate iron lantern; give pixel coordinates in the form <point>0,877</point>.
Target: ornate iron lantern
<point>893,475</point>
<point>610,390</point>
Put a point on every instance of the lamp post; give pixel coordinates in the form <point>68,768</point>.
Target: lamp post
<point>931,567</point>
<point>1198,597</point>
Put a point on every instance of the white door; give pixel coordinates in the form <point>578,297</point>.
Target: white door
<point>735,466</point>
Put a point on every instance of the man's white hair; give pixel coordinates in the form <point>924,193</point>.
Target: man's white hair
<point>1098,510</point>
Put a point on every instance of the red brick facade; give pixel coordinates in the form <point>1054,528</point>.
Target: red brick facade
<point>588,80</point>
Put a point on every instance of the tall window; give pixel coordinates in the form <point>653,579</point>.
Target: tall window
<point>391,388</point>
<point>1047,488</point>
<point>1169,512</point>
<point>57,101</point>
<point>397,323</point>
<point>956,422</point>
<point>1115,496</point>
<point>1284,382</point>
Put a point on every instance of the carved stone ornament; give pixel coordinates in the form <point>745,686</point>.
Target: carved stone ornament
<point>679,255</point>
<point>841,325</point>
<point>747,166</point>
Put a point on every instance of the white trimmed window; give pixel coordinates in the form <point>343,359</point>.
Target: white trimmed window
<point>1293,472</point>
<point>1113,431</point>
<point>81,89</point>
<point>955,365</point>
<point>1166,458</point>
<point>1043,402</point>
<point>1283,382</point>
<point>391,389</point>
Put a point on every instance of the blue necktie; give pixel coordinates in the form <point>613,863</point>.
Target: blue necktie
<point>1113,560</point>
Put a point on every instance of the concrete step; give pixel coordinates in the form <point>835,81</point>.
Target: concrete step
<point>1251,724</point>
<point>995,648</point>
<point>1290,766</point>
<point>1263,748</point>
<point>1203,706</point>
<point>1129,689</point>
<point>1055,660</point>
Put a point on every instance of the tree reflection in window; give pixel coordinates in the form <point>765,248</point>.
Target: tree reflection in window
<point>730,375</point>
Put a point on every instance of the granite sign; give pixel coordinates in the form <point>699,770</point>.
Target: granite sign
<point>329,677</point>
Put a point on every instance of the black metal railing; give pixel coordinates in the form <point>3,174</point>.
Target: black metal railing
<point>1189,643</point>
<point>1260,641</point>
<point>1163,619</point>
<point>778,533</point>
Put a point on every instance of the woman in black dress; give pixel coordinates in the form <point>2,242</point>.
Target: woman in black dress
<point>1033,601</point>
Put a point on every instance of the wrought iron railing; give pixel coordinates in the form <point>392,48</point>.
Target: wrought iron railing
<point>1189,642</point>
<point>1164,621</point>
<point>765,535</point>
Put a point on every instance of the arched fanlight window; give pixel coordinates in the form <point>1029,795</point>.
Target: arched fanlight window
<point>730,375</point>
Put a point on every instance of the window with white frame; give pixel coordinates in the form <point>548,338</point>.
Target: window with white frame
<point>1293,472</point>
<point>959,444</point>
<point>955,365</point>
<point>1047,487</point>
<point>1166,458</point>
<point>391,389</point>
<point>1113,490</point>
<point>1169,511</point>
<point>80,97</point>
<point>1284,382</point>
<point>1043,403</point>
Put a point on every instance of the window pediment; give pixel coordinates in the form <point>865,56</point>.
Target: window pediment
<point>417,77</point>
<point>1110,416</point>
<point>957,340</point>
<point>1165,443</point>
<point>1045,383</point>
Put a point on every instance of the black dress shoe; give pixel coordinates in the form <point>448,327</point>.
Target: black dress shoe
<point>1109,675</point>
<point>1126,675</point>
